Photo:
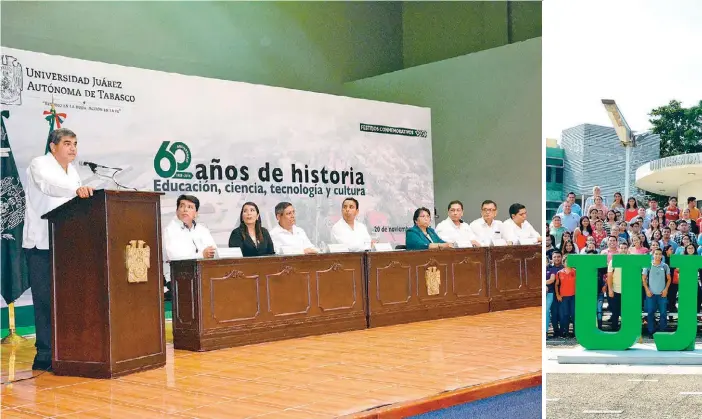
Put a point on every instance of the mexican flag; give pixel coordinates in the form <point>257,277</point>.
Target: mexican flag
<point>13,266</point>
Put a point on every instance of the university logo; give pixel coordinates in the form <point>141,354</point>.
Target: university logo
<point>137,259</point>
<point>587,333</point>
<point>172,160</point>
<point>11,91</point>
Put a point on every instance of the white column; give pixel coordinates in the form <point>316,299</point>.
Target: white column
<point>686,190</point>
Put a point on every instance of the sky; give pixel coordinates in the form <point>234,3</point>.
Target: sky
<point>641,53</point>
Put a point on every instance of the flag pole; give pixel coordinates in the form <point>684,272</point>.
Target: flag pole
<point>12,338</point>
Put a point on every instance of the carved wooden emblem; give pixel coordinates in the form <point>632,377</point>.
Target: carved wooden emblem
<point>287,270</point>
<point>432,276</point>
<point>137,257</point>
<point>235,274</point>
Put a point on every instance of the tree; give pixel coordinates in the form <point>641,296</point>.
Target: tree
<point>680,128</point>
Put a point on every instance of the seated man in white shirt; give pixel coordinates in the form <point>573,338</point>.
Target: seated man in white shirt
<point>517,228</point>
<point>287,234</point>
<point>487,228</point>
<point>349,231</point>
<point>453,229</point>
<point>184,238</point>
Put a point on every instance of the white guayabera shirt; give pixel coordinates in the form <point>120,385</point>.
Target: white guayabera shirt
<point>356,239</point>
<point>48,187</point>
<point>283,238</point>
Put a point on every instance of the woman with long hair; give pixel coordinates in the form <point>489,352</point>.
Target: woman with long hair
<point>624,231</point>
<point>610,221</point>
<point>583,231</point>
<point>250,236</point>
<point>636,246</point>
<point>632,209</point>
<point>660,216</point>
<point>684,243</point>
<point>656,236</point>
<point>644,242</point>
<point>653,226</point>
<point>569,248</point>
<point>618,203</point>
<point>565,237</point>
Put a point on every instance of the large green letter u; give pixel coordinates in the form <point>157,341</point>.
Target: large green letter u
<point>586,331</point>
<point>683,339</point>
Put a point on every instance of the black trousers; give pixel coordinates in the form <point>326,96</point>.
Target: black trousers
<point>615,306</point>
<point>672,298</point>
<point>39,264</point>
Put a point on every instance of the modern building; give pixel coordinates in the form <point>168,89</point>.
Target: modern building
<point>594,157</point>
<point>554,177</point>
<point>679,176</point>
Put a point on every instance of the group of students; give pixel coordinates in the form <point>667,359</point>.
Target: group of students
<point>660,232</point>
<point>185,238</point>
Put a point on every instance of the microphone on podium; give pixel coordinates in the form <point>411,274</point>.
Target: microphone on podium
<point>94,166</point>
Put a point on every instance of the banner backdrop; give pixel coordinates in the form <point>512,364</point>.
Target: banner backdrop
<point>226,142</point>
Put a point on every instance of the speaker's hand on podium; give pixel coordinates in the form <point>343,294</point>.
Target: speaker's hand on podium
<point>85,191</point>
<point>209,252</point>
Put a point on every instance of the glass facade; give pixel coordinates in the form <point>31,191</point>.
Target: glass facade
<point>555,157</point>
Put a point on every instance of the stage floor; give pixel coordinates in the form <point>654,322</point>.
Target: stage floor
<point>383,372</point>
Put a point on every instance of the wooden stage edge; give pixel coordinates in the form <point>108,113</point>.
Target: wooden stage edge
<point>452,398</point>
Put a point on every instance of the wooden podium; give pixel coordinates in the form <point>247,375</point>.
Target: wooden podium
<point>107,306</point>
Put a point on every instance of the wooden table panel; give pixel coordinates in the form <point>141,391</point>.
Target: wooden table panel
<point>515,277</point>
<point>232,302</point>
<point>413,286</point>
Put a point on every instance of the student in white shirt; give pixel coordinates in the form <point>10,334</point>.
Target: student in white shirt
<point>184,237</point>
<point>487,228</point>
<point>349,231</point>
<point>52,180</point>
<point>517,228</point>
<point>287,234</point>
<point>453,229</point>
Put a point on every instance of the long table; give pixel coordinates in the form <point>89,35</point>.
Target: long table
<point>231,302</point>
<point>421,285</point>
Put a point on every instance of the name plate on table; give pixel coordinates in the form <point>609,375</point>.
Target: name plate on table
<point>338,248</point>
<point>463,244</point>
<point>292,250</point>
<point>499,242</point>
<point>527,241</point>
<point>383,247</point>
<point>228,252</point>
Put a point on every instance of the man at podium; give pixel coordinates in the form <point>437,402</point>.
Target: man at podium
<point>52,180</point>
